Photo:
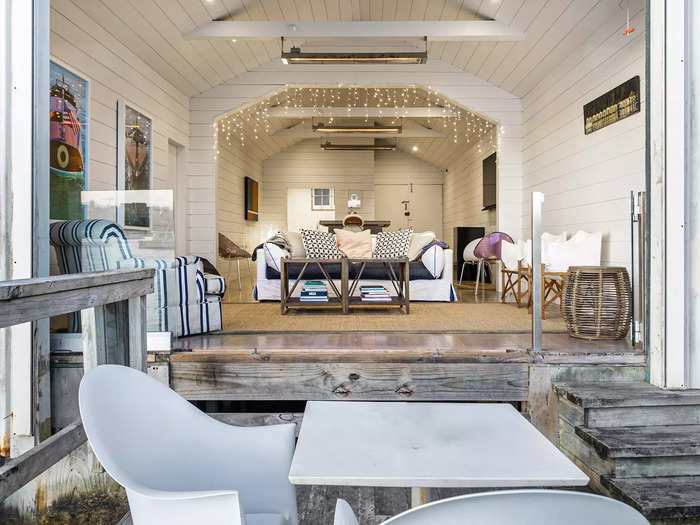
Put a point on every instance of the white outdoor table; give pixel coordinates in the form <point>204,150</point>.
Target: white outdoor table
<point>423,445</point>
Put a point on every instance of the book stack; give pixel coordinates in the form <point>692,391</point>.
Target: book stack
<point>314,292</point>
<point>375,294</point>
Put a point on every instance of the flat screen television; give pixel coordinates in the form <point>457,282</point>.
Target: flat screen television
<point>489,173</point>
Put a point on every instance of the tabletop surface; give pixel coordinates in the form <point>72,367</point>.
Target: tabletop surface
<point>426,445</point>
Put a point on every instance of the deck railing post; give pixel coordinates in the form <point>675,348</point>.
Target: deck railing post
<point>536,284</point>
<point>136,321</point>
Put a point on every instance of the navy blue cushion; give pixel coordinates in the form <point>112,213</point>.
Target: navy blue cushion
<point>417,270</point>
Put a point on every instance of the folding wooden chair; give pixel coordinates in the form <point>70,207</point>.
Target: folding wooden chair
<point>513,280</point>
<point>552,288</point>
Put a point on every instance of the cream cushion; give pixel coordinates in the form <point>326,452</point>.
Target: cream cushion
<point>296,244</point>
<point>418,241</point>
<point>354,244</point>
<point>511,254</point>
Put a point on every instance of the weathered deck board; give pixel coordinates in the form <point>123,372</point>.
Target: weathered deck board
<point>360,381</point>
<point>643,441</point>
<point>637,394</point>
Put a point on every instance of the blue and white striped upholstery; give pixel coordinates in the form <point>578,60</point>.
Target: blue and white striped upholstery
<point>185,301</point>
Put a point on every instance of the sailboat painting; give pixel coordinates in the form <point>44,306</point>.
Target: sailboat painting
<point>137,164</point>
<point>68,116</point>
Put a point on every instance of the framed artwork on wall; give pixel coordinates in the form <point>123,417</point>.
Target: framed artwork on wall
<point>134,164</point>
<point>69,123</point>
<point>251,200</point>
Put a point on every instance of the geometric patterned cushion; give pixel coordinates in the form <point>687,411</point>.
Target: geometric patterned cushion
<point>393,245</point>
<point>320,245</point>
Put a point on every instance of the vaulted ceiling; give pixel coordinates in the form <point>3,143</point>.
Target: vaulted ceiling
<point>154,29</point>
<point>273,123</point>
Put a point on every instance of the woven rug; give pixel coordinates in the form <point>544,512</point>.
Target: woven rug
<point>428,317</point>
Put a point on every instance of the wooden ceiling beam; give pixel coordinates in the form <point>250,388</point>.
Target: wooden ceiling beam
<point>443,30</point>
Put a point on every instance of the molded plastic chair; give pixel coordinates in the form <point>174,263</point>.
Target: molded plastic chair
<point>178,465</point>
<point>489,250</point>
<point>469,257</point>
<point>524,507</point>
<point>344,514</point>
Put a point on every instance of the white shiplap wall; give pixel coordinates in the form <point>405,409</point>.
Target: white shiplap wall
<point>86,45</point>
<point>306,165</point>
<point>398,167</point>
<point>586,179</point>
<point>465,89</point>
<point>463,193</point>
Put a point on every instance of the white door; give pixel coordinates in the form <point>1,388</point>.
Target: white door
<point>424,203</point>
<point>388,204</point>
<point>426,208</point>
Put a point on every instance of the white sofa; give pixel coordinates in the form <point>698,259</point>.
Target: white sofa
<point>425,288</point>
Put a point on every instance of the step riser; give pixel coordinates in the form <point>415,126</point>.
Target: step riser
<point>655,467</point>
<point>642,416</point>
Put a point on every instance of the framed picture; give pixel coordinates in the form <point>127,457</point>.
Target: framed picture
<point>251,199</point>
<point>134,170</point>
<point>69,123</point>
<point>613,106</point>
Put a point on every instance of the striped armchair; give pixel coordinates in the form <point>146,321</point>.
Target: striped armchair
<point>186,301</point>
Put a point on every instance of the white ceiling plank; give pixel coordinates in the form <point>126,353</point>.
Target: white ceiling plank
<point>333,10</point>
<point>567,22</point>
<point>242,49</point>
<point>345,10</point>
<point>506,12</point>
<point>142,63</point>
<point>318,9</point>
<point>165,28</point>
<point>468,30</point>
<point>365,13</point>
<point>582,40</point>
<point>356,10</point>
<point>376,8</point>
<point>544,20</point>
<point>186,78</point>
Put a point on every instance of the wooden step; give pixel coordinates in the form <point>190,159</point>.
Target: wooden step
<point>627,404</point>
<point>625,394</point>
<point>665,498</point>
<point>643,442</point>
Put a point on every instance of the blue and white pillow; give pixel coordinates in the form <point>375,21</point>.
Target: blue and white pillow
<point>434,260</point>
<point>320,245</point>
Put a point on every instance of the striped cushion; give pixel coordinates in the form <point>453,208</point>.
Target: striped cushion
<point>214,284</point>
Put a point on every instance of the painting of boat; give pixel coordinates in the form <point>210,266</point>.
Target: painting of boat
<point>68,128</point>
<point>137,165</point>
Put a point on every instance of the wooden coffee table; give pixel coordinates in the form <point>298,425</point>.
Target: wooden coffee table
<point>343,298</point>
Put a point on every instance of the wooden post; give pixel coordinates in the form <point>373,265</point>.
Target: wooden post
<point>94,351</point>
<point>136,322</point>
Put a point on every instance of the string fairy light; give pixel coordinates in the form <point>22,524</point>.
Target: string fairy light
<point>256,120</point>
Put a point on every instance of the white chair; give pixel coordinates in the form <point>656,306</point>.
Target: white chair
<point>469,257</point>
<point>524,507</point>
<point>344,514</point>
<point>178,465</point>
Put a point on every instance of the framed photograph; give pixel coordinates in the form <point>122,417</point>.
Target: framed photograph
<point>251,199</point>
<point>69,122</point>
<point>134,170</point>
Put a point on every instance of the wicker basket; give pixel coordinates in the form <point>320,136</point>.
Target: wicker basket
<point>597,302</point>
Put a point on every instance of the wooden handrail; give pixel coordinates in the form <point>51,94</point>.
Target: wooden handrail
<point>27,300</point>
<point>112,307</point>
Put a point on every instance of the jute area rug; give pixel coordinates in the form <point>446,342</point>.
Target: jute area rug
<point>430,317</point>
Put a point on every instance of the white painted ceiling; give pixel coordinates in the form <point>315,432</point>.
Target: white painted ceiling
<point>153,30</point>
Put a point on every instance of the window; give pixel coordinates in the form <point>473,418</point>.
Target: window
<point>322,199</point>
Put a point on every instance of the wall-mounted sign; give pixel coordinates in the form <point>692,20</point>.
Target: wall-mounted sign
<point>616,104</point>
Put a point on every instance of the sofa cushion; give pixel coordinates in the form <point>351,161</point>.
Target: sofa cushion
<point>418,241</point>
<point>393,245</point>
<point>273,255</point>
<point>354,244</point>
<point>296,245</point>
<point>320,245</point>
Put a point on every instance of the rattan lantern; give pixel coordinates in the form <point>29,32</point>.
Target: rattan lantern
<point>597,302</point>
